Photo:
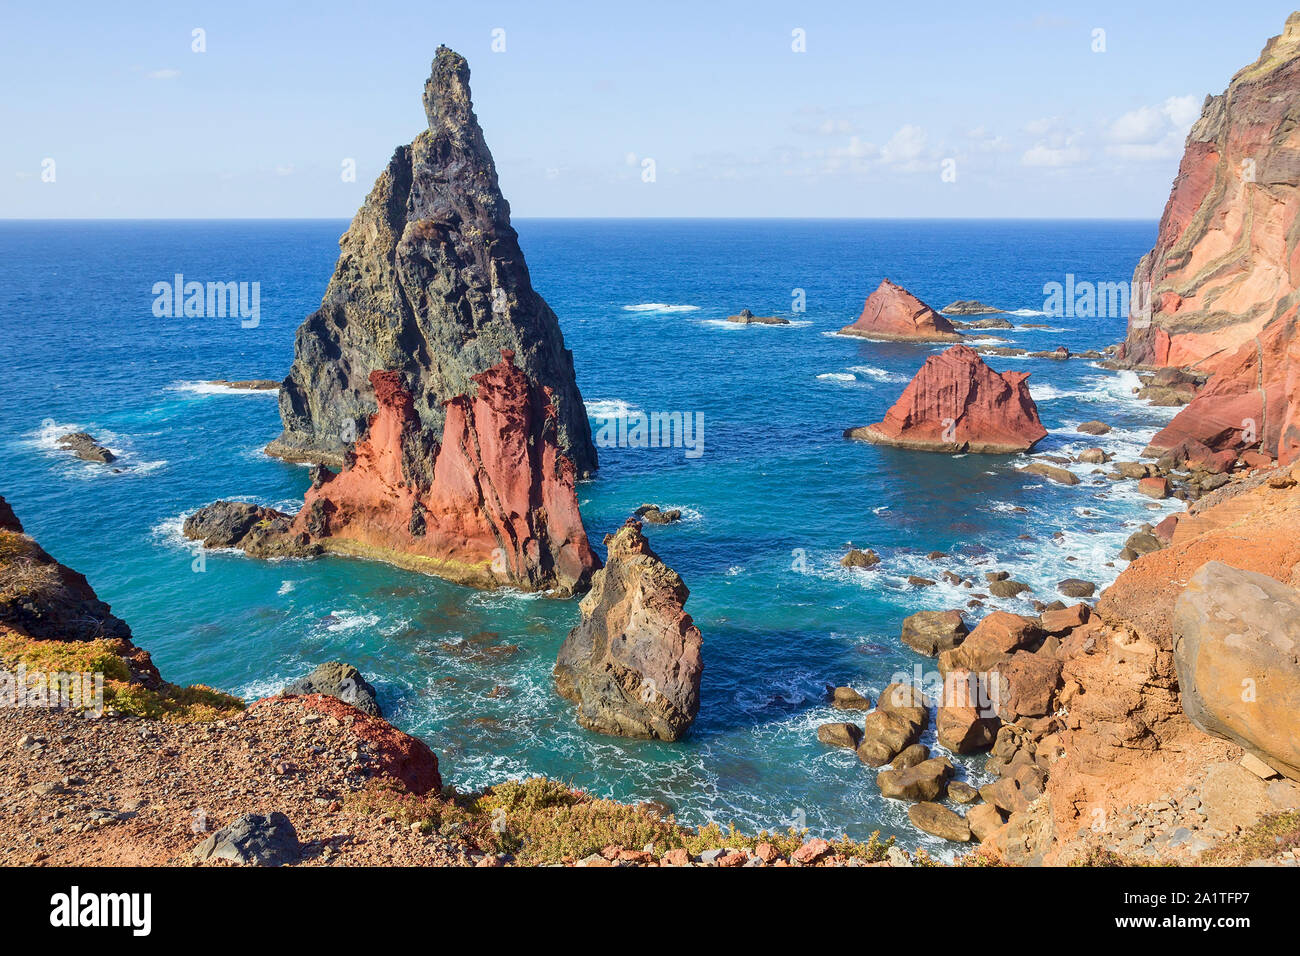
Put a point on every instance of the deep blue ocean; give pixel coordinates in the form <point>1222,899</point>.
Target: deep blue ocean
<point>770,506</point>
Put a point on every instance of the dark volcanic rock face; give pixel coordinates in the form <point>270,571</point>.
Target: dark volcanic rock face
<point>430,282</point>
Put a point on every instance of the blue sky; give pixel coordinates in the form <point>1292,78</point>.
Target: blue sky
<point>1035,122</point>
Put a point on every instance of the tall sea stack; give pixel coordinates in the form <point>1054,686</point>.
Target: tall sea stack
<point>430,282</point>
<point>1224,276</point>
<point>436,381</point>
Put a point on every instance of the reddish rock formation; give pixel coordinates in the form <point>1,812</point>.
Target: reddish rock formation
<point>493,503</point>
<point>957,403</point>
<point>892,313</point>
<point>633,664</point>
<point>1223,276</point>
<point>394,754</point>
<point>430,281</point>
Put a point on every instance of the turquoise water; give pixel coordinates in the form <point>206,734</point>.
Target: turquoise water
<point>770,505</point>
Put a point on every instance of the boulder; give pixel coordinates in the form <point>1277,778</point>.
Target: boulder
<point>1059,475</point>
<point>938,820</point>
<point>1093,428</point>
<point>255,839</point>
<point>923,781</point>
<point>995,637</point>
<point>846,698</point>
<point>891,313</point>
<point>336,679</point>
<point>860,559</point>
<point>961,792</point>
<point>900,715</point>
<point>1237,654</point>
<point>967,719</point>
<point>1008,588</point>
<point>1076,588</point>
<point>984,820</point>
<point>840,735</point>
<point>932,632</point>
<point>1027,685</point>
<point>656,515</point>
<point>956,403</point>
<point>633,664</point>
<point>913,755</point>
<point>1062,621</point>
<point>1154,487</point>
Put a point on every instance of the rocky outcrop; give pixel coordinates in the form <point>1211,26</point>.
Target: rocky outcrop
<point>1223,275</point>
<point>492,503</point>
<point>970,307</point>
<point>956,403</point>
<point>85,447</point>
<point>1237,654</point>
<point>430,283</point>
<point>746,317</point>
<point>336,679</point>
<point>633,664</point>
<point>891,313</point>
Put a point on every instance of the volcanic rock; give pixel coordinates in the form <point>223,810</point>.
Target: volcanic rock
<point>336,679</point>
<point>745,317</point>
<point>269,840</point>
<point>969,307</point>
<point>633,664</point>
<point>891,313</point>
<point>86,448</point>
<point>430,283</point>
<point>956,403</point>
<point>1223,274</point>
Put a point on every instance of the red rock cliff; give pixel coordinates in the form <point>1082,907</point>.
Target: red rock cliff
<point>957,403</point>
<point>492,503</point>
<point>893,313</point>
<point>1223,276</point>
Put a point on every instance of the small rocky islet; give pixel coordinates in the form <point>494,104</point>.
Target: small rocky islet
<point>1125,702</point>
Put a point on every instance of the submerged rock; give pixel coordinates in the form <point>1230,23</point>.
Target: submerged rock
<point>860,559</point>
<point>633,664</point>
<point>956,403</point>
<point>891,313</point>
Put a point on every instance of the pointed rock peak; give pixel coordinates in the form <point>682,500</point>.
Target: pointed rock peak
<point>447,102</point>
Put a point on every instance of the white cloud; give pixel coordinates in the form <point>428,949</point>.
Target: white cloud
<point>904,147</point>
<point>167,74</point>
<point>1153,132</point>
<point>1053,156</point>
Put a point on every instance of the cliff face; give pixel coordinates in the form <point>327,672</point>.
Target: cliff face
<point>1225,271</point>
<point>633,665</point>
<point>892,313</point>
<point>957,403</point>
<point>430,282</point>
<point>491,503</point>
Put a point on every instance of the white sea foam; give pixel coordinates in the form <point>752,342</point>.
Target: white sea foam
<point>663,307</point>
<point>211,388</point>
<point>286,586</point>
<point>609,408</point>
<point>877,374</point>
<point>838,377</point>
<point>347,620</point>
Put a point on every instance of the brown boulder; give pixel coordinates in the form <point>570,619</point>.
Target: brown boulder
<point>1237,652</point>
<point>1027,685</point>
<point>938,820</point>
<point>994,638</point>
<point>967,719</point>
<point>840,735</point>
<point>932,632</point>
<point>924,781</point>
